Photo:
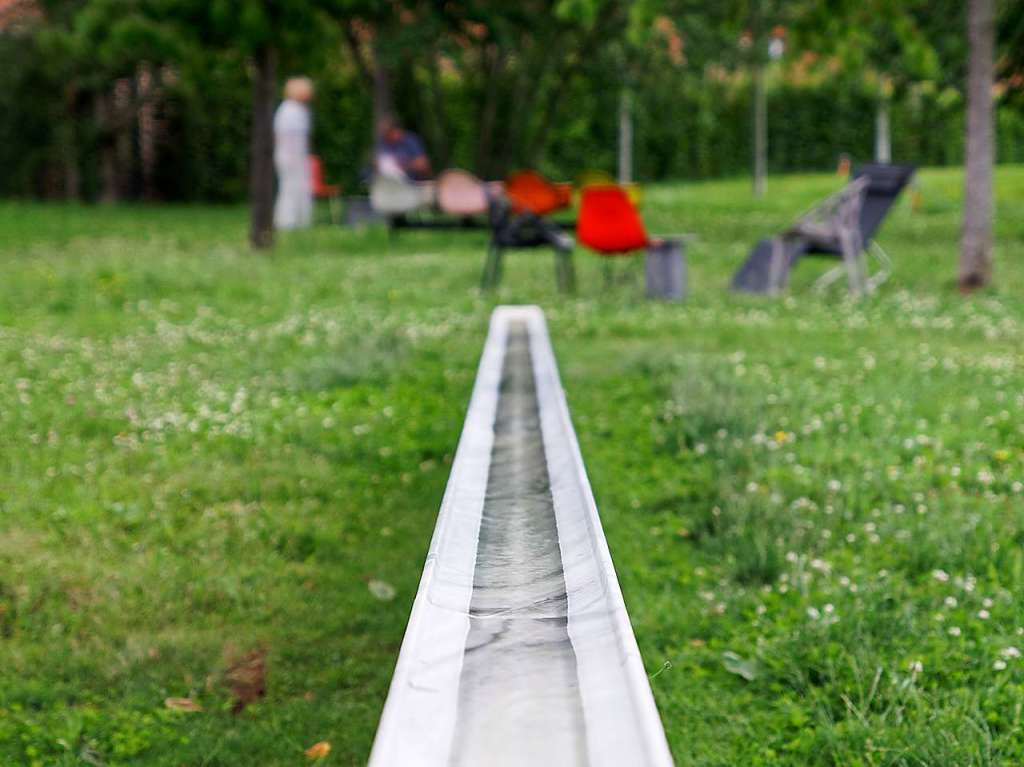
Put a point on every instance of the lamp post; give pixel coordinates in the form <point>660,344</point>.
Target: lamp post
<point>625,135</point>
<point>776,48</point>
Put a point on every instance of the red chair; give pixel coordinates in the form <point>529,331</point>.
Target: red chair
<point>529,192</point>
<point>609,224</point>
<point>323,190</point>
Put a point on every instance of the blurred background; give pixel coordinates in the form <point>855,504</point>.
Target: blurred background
<point>112,100</point>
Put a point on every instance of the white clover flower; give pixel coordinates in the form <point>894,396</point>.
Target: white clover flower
<point>999,665</point>
<point>813,614</point>
<point>950,602</point>
<point>940,575</point>
<point>984,615</point>
<point>916,667</point>
<point>954,631</point>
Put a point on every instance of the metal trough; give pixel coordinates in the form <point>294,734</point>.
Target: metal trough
<point>519,650</point>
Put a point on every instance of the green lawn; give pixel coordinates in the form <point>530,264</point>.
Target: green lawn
<point>815,506</point>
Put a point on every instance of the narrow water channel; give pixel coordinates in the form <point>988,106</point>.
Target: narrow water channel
<point>519,701</point>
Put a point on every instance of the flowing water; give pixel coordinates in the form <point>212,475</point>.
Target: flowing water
<point>518,683</point>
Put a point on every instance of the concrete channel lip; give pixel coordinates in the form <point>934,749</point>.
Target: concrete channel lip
<point>519,650</point>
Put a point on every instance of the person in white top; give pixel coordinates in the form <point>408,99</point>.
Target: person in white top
<point>294,206</point>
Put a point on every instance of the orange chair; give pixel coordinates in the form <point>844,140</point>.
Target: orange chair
<point>609,224</point>
<point>323,190</point>
<point>529,192</point>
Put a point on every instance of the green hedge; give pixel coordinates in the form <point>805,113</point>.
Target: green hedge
<point>686,127</point>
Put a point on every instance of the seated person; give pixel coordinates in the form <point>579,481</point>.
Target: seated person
<point>400,152</point>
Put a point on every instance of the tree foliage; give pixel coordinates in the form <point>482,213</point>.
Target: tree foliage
<point>490,86</point>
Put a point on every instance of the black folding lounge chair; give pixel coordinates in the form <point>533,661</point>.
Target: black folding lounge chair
<point>526,230</point>
<point>842,226</point>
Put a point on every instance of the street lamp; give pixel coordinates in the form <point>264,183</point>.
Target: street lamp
<point>776,48</point>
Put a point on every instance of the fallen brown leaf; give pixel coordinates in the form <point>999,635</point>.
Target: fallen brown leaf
<point>318,750</point>
<point>182,704</point>
<point>246,678</point>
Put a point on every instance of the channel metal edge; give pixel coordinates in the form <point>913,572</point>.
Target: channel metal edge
<point>428,709</point>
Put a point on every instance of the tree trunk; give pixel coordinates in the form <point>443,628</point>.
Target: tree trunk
<point>976,242</point>
<point>438,111</point>
<point>377,76</point>
<point>883,132</point>
<point>146,117</point>
<point>72,175</point>
<point>625,136</point>
<point>67,132</point>
<point>383,106</point>
<point>108,157</point>
<point>534,61</point>
<point>570,66</point>
<point>760,130</point>
<point>261,150</point>
<point>549,111</point>
<point>491,92</point>
<point>124,145</point>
